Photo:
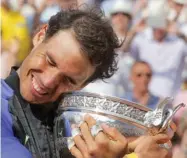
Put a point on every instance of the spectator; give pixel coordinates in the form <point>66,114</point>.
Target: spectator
<point>164,52</point>
<point>28,10</point>
<point>141,74</point>
<point>178,18</point>
<point>178,12</point>
<point>14,25</point>
<point>121,16</point>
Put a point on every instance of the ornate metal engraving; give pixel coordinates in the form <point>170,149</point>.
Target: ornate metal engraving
<point>129,118</point>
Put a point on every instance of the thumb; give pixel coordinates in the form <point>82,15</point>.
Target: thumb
<point>132,145</point>
<point>161,138</point>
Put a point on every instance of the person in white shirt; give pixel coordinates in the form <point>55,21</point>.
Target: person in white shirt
<point>164,52</point>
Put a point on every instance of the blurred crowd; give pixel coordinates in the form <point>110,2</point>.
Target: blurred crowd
<point>152,59</point>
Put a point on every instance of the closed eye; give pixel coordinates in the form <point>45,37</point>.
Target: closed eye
<point>72,81</point>
<point>50,61</point>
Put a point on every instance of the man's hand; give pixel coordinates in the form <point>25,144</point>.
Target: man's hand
<point>148,146</point>
<point>107,144</point>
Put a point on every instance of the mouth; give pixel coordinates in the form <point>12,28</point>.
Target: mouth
<point>37,90</point>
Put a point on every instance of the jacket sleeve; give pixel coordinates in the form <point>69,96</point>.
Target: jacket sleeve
<point>10,145</point>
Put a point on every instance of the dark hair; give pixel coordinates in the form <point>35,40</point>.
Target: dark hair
<point>95,35</point>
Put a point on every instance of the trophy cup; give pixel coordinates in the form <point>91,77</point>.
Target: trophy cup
<point>129,118</point>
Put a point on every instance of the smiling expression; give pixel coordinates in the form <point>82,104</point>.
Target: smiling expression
<point>53,67</point>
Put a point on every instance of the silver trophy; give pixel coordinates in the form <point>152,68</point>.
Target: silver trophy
<point>130,118</point>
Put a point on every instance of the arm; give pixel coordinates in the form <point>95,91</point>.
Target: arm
<point>134,48</point>
<point>139,27</point>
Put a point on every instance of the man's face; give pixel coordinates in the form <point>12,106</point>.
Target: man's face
<point>53,67</point>
<point>120,21</point>
<point>141,76</point>
<point>159,34</point>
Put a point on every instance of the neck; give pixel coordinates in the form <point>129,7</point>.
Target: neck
<point>141,95</point>
<point>159,40</point>
<point>121,32</point>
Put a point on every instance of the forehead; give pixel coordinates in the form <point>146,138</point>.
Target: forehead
<point>139,67</point>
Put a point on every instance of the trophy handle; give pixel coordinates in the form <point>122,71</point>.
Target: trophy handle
<point>171,113</point>
<point>160,119</point>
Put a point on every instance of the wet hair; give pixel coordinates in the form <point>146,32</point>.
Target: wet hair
<point>95,36</point>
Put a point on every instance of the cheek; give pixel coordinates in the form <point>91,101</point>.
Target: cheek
<point>34,61</point>
<point>38,62</point>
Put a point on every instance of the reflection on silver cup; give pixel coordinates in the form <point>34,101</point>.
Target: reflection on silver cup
<point>129,118</point>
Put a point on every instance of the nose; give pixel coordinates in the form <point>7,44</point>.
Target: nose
<point>51,79</point>
<point>146,80</point>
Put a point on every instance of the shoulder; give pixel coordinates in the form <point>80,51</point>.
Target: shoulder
<point>6,119</point>
<point>176,40</point>
<point>153,101</point>
<point>8,140</point>
<point>11,147</point>
<point>128,96</point>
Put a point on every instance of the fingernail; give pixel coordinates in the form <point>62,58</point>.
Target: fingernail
<point>75,132</point>
<point>86,116</point>
<point>70,143</point>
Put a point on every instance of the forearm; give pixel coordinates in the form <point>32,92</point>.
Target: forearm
<point>128,40</point>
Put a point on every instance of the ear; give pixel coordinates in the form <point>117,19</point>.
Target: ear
<point>40,36</point>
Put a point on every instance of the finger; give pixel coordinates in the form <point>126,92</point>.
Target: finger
<point>75,152</point>
<point>87,134</point>
<point>113,133</point>
<point>132,145</point>
<point>89,120</point>
<point>167,145</point>
<point>85,130</point>
<point>100,139</point>
<point>79,142</point>
<point>161,138</point>
<point>164,152</point>
<point>173,126</point>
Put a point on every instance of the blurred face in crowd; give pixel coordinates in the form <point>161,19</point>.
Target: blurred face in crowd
<point>120,21</point>
<point>159,34</point>
<point>178,7</point>
<point>54,66</point>
<point>140,76</point>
